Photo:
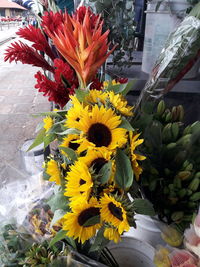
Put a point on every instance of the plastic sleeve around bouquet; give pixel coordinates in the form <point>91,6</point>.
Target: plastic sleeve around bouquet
<point>181,51</point>
<point>20,201</point>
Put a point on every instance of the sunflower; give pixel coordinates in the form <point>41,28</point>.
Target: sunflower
<point>48,123</point>
<point>106,83</point>
<point>134,142</point>
<point>113,212</point>
<point>120,104</point>
<point>74,221</point>
<point>75,113</point>
<point>70,141</point>
<point>96,159</point>
<point>95,95</point>
<point>79,181</point>
<point>53,171</point>
<point>100,130</point>
<point>111,233</point>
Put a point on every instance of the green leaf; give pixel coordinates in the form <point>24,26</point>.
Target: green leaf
<point>70,152</point>
<point>59,236</point>
<point>81,94</point>
<point>39,139</point>
<point>100,241</point>
<point>50,113</point>
<point>124,171</point>
<point>105,172</point>
<point>121,88</point>
<point>39,126</point>
<point>92,221</point>
<point>58,201</point>
<point>58,214</point>
<point>143,206</point>
<point>46,176</point>
<point>48,139</point>
<point>126,125</point>
<point>69,131</point>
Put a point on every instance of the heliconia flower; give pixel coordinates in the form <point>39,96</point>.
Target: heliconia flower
<point>19,51</point>
<point>84,49</point>
<point>181,258</point>
<point>192,240</point>
<point>39,40</point>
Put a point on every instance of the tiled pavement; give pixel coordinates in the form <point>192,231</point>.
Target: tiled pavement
<point>18,100</point>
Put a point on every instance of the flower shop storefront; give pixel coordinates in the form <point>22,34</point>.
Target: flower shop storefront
<point>120,185</point>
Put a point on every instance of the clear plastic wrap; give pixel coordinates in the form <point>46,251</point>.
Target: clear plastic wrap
<point>176,59</point>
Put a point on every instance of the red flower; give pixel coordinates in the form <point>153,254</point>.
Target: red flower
<point>39,40</point>
<point>56,91</point>
<point>80,13</point>
<point>63,70</point>
<point>27,55</point>
<point>51,22</point>
<point>96,84</point>
<point>122,80</point>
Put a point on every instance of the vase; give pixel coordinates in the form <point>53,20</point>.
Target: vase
<point>148,230</point>
<point>131,252</point>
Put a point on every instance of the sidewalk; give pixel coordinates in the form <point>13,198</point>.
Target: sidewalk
<point>7,34</point>
<point>18,100</point>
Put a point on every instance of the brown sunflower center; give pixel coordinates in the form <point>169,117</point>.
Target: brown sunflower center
<point>98,164</point>
<point>99,134</point>
<point>87,214</point>
<point>72,145</point>
<point>82,182</point>
<point>116,211</point>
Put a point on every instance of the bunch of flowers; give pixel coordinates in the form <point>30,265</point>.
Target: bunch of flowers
<point>80,48</point>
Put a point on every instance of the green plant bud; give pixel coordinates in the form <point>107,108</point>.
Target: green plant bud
<point>197,175</point>
<point>171,146</point>
<point>189,167</point>
<point>177,216</point>
<point>177,182</point>
<point>161,107</point>
<point>166,133</point>
<point>168,117</point>
<point>187,218</point>
<point>171,187</point>
<point>185,140</point>
<point>43,252</point>
<point>187,130</point>
<point>181,112</point>
<point>189,192</point>
<point>154,171</point>
<point>195,126</point>
<point>195,196</point>
<point>194,184</point>
<point>183,175</point>
<point>175,113</point>
<point>185,164</point>
<point>166,190</point>
<point>182,193</point>
<point>175,130</point>
<point>167,171</point>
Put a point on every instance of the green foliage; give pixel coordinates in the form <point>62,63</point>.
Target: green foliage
<point>124,172</point>
<point>118,16</point>
<point>143,206</point>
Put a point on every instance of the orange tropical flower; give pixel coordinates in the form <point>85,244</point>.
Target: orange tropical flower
<point>84,46</point>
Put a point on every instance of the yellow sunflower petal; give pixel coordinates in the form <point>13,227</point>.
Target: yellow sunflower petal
<point>53,171</point>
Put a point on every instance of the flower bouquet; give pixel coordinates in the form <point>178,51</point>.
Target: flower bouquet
<point>95,165</point>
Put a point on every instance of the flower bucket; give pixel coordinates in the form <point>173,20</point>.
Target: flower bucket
<point>147,230</point>
<point>131,252</point>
